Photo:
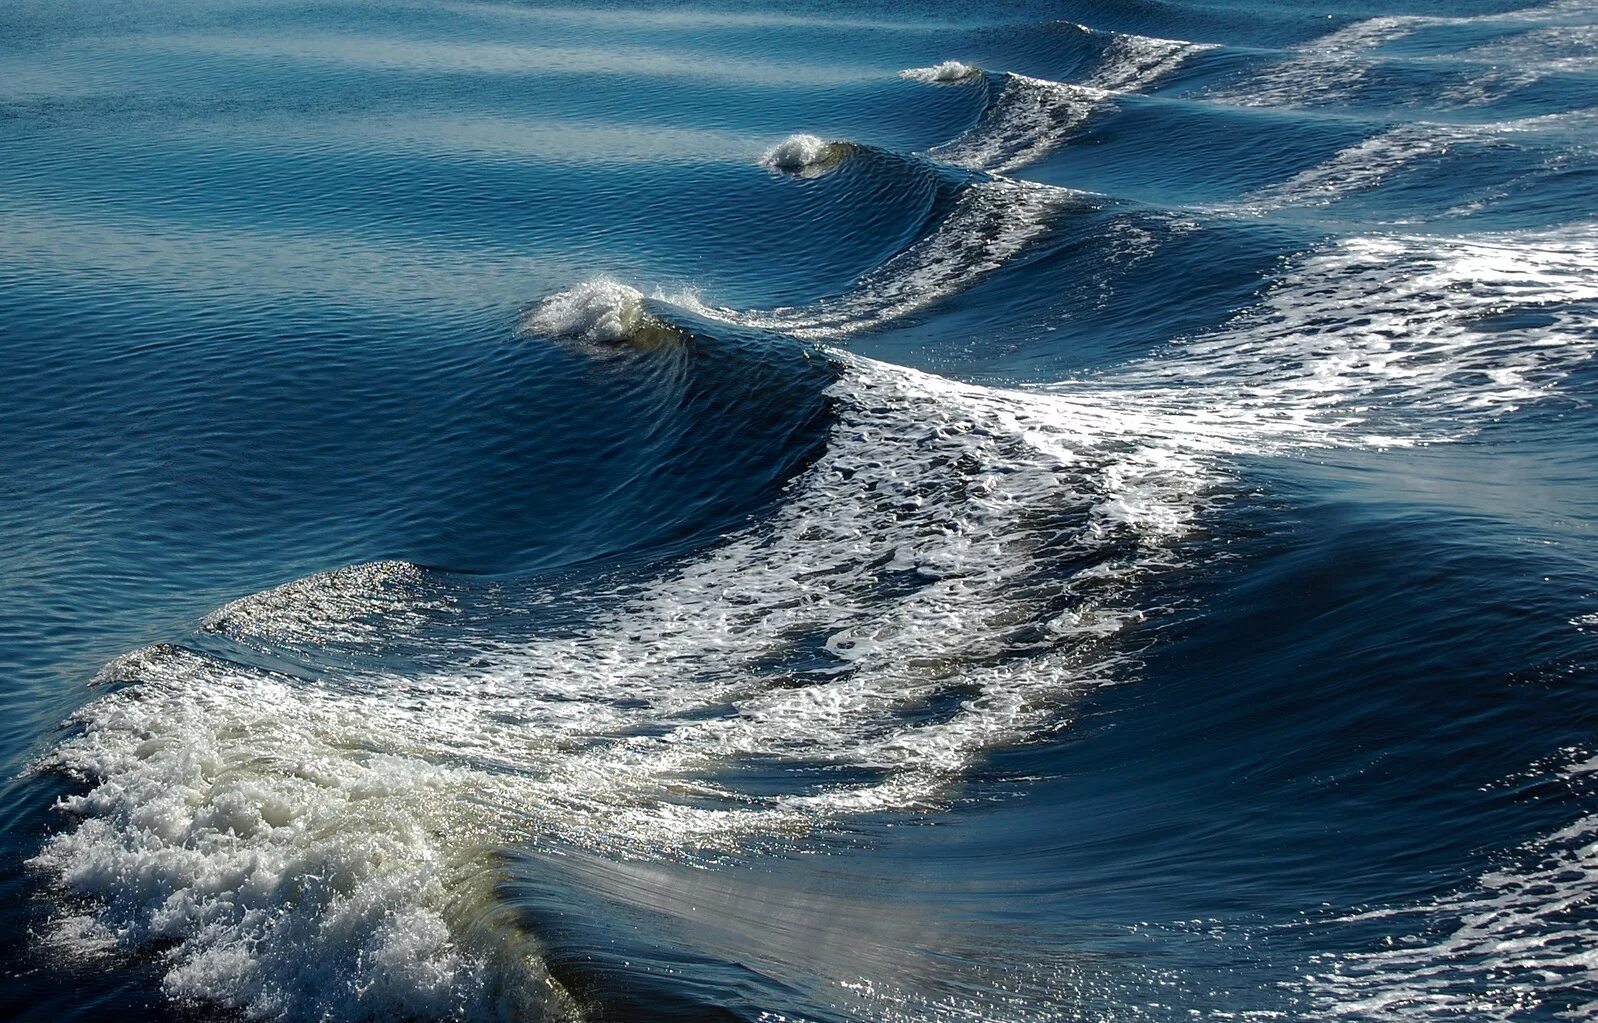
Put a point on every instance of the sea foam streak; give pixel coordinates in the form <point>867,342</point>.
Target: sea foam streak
<point>945,579</point>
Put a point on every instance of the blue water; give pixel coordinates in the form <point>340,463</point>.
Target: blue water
<point>528,512</point>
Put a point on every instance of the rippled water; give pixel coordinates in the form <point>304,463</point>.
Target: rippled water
<point>823,512</point>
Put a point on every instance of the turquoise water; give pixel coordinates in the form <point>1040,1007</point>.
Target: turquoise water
<point>822,512</point>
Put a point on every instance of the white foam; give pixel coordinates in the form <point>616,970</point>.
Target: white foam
<point>947,71</point>
<point>1374,161</point>
<point>1133,63</point>
<point>601,311</point>
<point>1360,167</point>
<point>956,567</point>
<point>805,155</point>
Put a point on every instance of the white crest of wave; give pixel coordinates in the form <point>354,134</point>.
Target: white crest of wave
<point>602,311</point>
<point>1132,63</point>
<point>798,154</point>
<point>947,71</point>
<point>946,578</point>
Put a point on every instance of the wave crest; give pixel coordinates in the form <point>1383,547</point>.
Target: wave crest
<point>947,71</point>
<point>601,311</point>
<point>806,155</point>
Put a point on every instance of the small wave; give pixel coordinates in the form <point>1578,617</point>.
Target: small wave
<point>806,155</point>
<point>948,71</point>
<point>1034,116</point>
<point>991,223</point>
<point>601,311</point>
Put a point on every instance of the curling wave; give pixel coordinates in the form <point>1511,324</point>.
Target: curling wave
<point>601,311</point>
<point>947,71</point>
<point>1032,117</point>
<point>807,155</point>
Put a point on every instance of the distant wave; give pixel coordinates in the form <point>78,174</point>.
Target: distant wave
<point>948,577</point>
<point>1032,117</point>
<point>1133,63</point>
<point>1377,160</point>
<point>1334,68</point>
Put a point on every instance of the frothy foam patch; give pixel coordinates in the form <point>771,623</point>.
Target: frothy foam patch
<point>805,155</point>
<point>601,311</point>
<point>1031,118</point>
<point>358,605</point>
<point>947,578</point>
<point>990,224</point>
<point>1360,167</point>
<point>947,71</point>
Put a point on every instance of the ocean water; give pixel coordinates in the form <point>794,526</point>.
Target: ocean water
<point>809,512</point>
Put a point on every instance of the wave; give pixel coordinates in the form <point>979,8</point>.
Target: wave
<point>1515,941</point>
<point>1133,63</point>
<point>991,223</point>
<point>1339,66</point>
<point>956,568</point>
<point>1377,160</point>
<point>1032,117</point>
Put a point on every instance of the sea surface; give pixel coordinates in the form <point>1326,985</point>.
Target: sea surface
<point>805,511</point>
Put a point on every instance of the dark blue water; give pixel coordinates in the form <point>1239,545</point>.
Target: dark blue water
<point>820,512</point>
